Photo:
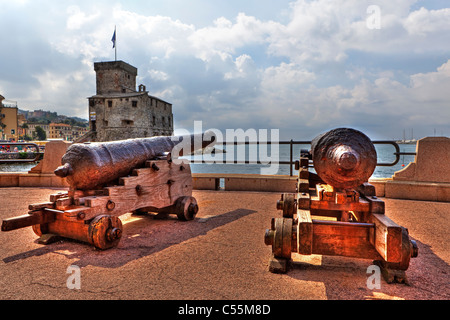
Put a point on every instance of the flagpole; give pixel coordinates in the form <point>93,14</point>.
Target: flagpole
<point>115,45</point>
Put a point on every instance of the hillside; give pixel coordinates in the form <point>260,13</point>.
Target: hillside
<point>46,117</point>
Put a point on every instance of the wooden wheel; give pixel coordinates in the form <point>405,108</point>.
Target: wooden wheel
<point>282,238</point>
<point>105,231</point>
<point>186,208</point>
<point>40,229</point>
<point>288,204</point>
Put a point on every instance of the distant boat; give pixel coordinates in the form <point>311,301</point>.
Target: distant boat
<point>412,141</point>
<point>405,141</point>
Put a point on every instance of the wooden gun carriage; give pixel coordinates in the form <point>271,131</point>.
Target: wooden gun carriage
<point>110,179</point>
<point>335,211</point>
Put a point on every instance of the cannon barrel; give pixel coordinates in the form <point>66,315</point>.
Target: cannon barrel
<point>344,158</point>
<point>91,165</point>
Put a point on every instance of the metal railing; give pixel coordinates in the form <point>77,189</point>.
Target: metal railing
<point>37,154</point>
<point>291,161</point>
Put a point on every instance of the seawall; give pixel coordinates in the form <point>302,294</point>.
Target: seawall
<point>427,178</point>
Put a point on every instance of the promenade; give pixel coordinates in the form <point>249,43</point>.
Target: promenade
<point>219,255</point>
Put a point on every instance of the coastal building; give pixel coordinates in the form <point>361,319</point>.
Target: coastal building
<point>21,120</point>
<point>8,120</point>
<point>31,129</point>
<point>60,131</point>
<point>118,111</point>
<point>77,132</point>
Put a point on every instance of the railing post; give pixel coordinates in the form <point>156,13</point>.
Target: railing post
<point>290,157</point>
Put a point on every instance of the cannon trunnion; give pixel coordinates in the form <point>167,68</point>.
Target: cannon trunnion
<point>336,212</point>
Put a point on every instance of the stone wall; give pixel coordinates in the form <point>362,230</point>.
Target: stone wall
<point>119,112</point>
<point>403,185</point>
<point>427,178</point>
<point>115,76</point>
<point>161,117</point>
<point>42,174</point>
<point>131,116</point>
<point>431,164</point>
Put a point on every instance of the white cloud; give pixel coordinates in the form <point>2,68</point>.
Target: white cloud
<point>225,37</point>
<point>245,70</point>
<point>78,18</point>
<point>423,104</point>
<point>286,77</point>
<point>423,21</point>
<point>158,75</point>
<point>322,30</point>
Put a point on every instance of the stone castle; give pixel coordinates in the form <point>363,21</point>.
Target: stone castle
<point>118,111</point>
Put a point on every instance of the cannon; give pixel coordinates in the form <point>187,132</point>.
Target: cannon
<point>344,158</point>
<point>335,211</point>
<point>89,165</point>
<point>107,180</point>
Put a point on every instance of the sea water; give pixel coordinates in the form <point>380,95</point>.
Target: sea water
<point>385,154</point>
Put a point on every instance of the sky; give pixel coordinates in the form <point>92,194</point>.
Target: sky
<point>302,67</point>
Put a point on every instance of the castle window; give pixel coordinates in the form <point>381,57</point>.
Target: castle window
<point>134,103</point>
<point>154,120</point>
<point>127,122</point>
<point>109,103</point>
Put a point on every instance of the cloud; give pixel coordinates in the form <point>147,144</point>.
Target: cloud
<point>225,36</point>
<point>78,18</point>
<point>312,66</point>
<point>424,104</point>
<point>423,22</point>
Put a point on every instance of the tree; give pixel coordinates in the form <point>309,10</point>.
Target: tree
<point>40,133</point>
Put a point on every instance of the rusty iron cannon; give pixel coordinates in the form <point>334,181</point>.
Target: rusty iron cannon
<point>335,211</point>
<point>109,179</point>
<point>344,158</point>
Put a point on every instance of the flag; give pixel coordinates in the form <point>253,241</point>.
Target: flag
<point>113,39</point>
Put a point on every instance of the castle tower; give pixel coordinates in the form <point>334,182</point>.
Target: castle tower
<point>119,112</point>
<point>115,77</point>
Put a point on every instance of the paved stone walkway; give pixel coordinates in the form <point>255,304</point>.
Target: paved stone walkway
<point>219,255</point>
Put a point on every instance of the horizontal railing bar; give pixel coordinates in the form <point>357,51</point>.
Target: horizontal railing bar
<point>397,152</point>
<point>405,153</point>
<point>34,145</point>
<point>239,162</point>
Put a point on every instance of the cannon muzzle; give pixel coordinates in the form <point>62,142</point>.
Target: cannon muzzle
<point>344,158</point>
